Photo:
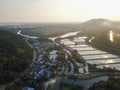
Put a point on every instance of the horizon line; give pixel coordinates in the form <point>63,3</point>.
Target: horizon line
<point>52,22</point>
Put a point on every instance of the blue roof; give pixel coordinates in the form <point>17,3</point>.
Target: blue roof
<point>49,74</point>
<point>28,88</point>
<point>42,71</point>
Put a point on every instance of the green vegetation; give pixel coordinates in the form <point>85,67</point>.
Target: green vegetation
<point>15,56</point>
<point>16,86</point>
<point>41,39</point>
<point>92,68</point>
<point>102,42</point>
<point>64,86</point>
<point>110,84</point>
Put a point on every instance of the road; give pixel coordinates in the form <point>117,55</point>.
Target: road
<point>72,69</point>
<point>57,83</point>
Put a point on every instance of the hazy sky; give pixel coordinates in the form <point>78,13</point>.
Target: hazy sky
<point>58,10</point>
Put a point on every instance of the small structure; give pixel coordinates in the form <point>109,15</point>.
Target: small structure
<point>81,70</point>
<point>53,55</point>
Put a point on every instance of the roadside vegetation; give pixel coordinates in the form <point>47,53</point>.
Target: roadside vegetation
<point>65,86</point>
<point>41,39</point>
<point>92,68</point>
<point>110,84</point>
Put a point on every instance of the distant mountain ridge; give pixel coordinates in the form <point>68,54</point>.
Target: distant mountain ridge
<point>100,24</point>
<point>56,29</point>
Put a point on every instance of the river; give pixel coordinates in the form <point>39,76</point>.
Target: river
<point>27,36</point>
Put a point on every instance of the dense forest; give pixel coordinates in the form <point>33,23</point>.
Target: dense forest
<point>15,56</point>
<point>103,42</point>
<point>110,84</point>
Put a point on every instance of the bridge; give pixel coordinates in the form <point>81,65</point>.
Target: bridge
<point>103,53</point>
<point>107,63</point>
<point>77,44</point>
<point>87,50</point>
<point>81,47</point>
<point>102,58</point>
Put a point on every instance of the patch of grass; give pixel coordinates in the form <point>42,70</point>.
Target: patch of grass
<point>65,86</point>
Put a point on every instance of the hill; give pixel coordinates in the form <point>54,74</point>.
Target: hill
<point>100,24</point>
<point>15,56</point>
<point>100,30</point>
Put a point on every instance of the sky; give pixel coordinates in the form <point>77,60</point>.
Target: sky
<point>58,10</point>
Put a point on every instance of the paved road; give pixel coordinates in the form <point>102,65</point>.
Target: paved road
<point>72,68</point>
<point>57,83</point>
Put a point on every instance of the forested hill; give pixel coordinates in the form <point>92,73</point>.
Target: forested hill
<point>15,56</point>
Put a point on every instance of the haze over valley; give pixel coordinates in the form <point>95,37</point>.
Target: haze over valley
<point>59,45</point>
